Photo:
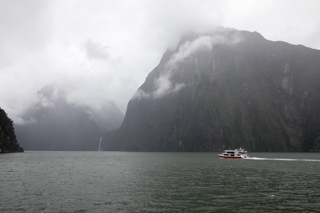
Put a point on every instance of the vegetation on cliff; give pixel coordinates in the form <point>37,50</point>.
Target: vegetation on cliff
<point>8,141</point>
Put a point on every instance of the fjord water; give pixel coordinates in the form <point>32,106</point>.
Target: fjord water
<point>158,182</point>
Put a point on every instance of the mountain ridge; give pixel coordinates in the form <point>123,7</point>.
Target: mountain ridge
<point>54,123</point>
<point>226,88</point>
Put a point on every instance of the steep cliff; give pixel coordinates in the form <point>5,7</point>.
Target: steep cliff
<point>8,141</point>
<point>226,88</point>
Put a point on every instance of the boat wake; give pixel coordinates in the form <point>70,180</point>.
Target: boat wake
<point>282,159</point>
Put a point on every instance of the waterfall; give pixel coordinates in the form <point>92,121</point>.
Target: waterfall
<point>100,145</point>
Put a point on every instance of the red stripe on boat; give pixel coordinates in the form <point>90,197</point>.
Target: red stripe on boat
<point>229,157</point>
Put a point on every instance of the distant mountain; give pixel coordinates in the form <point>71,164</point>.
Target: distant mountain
<point>56,124</point>
<point>8,141</point>
<point>222,89</point>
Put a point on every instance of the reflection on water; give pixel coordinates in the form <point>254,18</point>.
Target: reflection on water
<point>158,182</point>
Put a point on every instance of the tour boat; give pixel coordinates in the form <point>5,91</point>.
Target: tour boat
<point>236,153</point>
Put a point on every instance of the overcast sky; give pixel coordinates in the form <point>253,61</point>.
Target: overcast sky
<point>108,47</point>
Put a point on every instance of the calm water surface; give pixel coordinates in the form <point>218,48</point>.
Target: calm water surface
<point>158,182</point>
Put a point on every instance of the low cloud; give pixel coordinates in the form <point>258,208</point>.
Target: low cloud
<point>140,94</point>
<point>23,121</point>
<point>163,85</point>
<point>45,102</point>
<point>204,43</point>
<point>76,92</point>
<point>95,50</point>
<point>113,45</point>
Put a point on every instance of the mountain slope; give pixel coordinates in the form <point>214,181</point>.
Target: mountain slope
<point>56,124</point>
<point>8,141</point>
<point>227,88</point>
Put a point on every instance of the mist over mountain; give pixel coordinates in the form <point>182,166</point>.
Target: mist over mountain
<point>56,123</point>
<point>226,88</point>
<point>8,140</point>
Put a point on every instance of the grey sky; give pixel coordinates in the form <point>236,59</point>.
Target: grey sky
<point>108,47</point>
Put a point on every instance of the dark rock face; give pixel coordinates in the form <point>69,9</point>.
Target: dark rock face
<point>55,124</point>
<point>226,89</point>
<point>8,141</point>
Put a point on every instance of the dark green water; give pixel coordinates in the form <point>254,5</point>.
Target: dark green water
<point>158,182</point>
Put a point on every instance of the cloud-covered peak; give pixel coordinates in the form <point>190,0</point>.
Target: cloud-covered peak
<point>189,45</point>
<point>204,43</point>
<point>111,46</point>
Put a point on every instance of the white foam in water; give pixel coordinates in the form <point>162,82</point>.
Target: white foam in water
<point>282,159</point>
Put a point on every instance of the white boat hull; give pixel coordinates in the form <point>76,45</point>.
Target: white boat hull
<point>234,154</point>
